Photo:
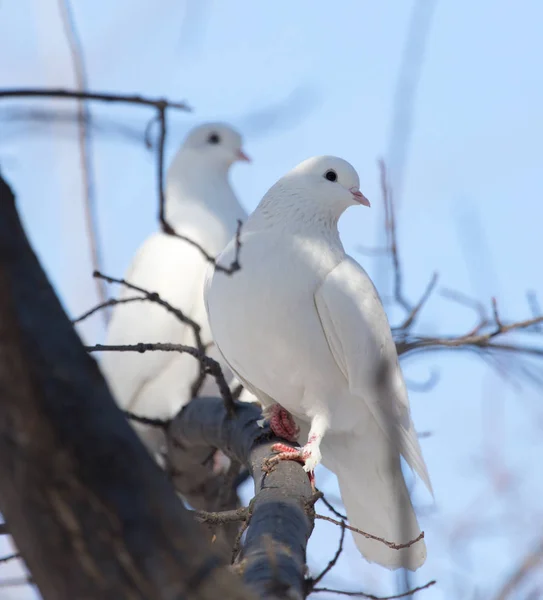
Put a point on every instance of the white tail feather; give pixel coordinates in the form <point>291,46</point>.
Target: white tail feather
<point>376,498</point>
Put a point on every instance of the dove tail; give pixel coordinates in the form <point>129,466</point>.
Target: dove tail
<point>376,499</point>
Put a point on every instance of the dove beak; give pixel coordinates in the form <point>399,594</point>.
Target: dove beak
<point>359,197</point>
<point>240,155</point>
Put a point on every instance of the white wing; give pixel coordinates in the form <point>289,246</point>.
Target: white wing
<point>174,270</point>
<point>358,333</point>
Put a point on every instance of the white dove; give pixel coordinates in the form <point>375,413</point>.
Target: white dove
<point>201,205</point>
<point>302,326</point>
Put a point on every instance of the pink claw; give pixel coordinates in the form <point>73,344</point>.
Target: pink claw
<point>300,455</point>
<point>282,424</point>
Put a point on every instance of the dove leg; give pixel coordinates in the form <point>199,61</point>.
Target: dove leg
<point>310,454</point>
<point>282,424</point>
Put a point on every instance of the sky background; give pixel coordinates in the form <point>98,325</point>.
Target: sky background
<point>300,79</point>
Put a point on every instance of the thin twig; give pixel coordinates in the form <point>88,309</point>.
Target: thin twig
<point>230,269</point>
<point>161,118</point>
<point>222,517</point>
<point>237,544</point>
<point>7,558</point>
<point>155,297</point>
<point>110,302</point>
<point>159,423</point>
<point>390,227</point>
<point>477,339</point>
<point>211,365</point>
<point>410,319</point>
<point>86,95</point>
<point>370,536</point>
<point>373,597</point>
<point>331,507</point>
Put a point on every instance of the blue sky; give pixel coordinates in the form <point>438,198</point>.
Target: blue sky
<point>300,79</point>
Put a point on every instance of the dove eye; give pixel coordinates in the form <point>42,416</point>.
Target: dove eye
<point>331,175</point>
<point>214,138</point>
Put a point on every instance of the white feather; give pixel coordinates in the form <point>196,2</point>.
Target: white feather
<point>200,205</point>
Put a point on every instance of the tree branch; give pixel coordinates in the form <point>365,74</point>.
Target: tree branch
<point>211,365</point>
<point>281,511</point>
<point>91,513</point>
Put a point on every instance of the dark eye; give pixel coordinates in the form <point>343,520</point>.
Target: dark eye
<point>331,175</point>
<point>214,138</point>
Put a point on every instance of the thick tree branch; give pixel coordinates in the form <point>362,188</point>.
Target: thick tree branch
<point>91,513</point>
<point>280,516</point>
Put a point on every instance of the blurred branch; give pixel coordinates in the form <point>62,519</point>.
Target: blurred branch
<point>487,334</point>
<point>85,152</point>
<point>160,105</point>
<point>530,562</point>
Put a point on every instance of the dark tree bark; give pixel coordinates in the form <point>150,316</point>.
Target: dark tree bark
<point>280,517</point>
<point>91,513</point>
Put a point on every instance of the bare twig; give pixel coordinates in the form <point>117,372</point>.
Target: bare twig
<point>8,557</point>
<point>535,307</point>
<point>110,302</point>
<point>373,597</point>
<point>160,423</point>
<point>478,338</point>
<point>196,329</point>
<point>219,518</point>
<point>370,536</point>
<point>413,314</point>
<point>237,543</point>
<point>86,95</point>
<point>84,117</point>
<point>229,269</point>
<point>330,506</point>
<point>390,228</point>
<point>212,366</point>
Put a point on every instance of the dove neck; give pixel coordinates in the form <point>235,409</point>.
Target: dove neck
<point>295,213</point>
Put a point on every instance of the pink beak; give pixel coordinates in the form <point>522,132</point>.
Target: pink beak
<point>242,156</point>
<point>359,197</point>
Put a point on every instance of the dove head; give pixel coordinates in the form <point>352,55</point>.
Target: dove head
<point>216,144</point>
<point>332,183</point>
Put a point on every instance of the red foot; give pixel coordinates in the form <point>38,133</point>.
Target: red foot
<point>285,452</point>
<point>282,423</point>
